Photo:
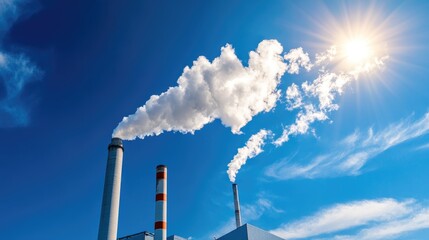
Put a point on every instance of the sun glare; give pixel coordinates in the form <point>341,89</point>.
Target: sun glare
<point>361,36</point>
<point>357,50</point>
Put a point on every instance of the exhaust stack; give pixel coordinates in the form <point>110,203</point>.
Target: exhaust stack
<point>161,203</point>
<point>112,187</point>
<point>236,205</point>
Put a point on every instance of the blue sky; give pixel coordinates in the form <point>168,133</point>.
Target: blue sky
<point>352,162</point>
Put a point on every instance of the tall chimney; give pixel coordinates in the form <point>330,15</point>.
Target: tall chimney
<point>112,187</point>
<point>236,205</point>
<point>161,203</point>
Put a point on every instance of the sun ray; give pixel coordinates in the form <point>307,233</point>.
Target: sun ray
<point>371,40</point>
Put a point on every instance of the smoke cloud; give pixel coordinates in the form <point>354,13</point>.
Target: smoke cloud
<point>316,99</point>
<point>253,148</point>
<point>225,89</point>
<point>313,100</point>
<point>222,89</point>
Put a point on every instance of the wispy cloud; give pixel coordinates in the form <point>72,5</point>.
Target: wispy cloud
<point>418,220</point>
<point>423,147</point>
<point>353,152</point>
<point>370,219</point>
<point>9,12</point>
<point>16,71</point>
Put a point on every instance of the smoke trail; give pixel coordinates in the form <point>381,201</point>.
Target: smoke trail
<point>253,148</point>
<point>222,89</point>
<point>316,99</point>
<point>225,89</point>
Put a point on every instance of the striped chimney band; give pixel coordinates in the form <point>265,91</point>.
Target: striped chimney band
<point>161,203</point>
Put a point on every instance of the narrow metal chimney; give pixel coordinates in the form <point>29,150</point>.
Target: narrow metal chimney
<point>112,187</point>
<point>161,203</point>
<point>236,205</point>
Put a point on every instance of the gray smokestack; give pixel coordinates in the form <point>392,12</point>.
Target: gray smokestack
<point>161,203</point>
<point>112,187</point>
<point>236,205</point>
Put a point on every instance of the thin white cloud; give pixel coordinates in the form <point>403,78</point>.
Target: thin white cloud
<point>9,12</point>
<point>253,148</point>
<point>222,89</point>
<point>16,71</point>
<point>326,57</point>
<point>423,147</point>
<point>353,152</point>
<point>417,220</point>
<point>371,219</point>
<point>251,212</point>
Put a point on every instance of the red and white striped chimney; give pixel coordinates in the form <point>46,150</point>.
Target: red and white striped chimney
<point>161,203</point>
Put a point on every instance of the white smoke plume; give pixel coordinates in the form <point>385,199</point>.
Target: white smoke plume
<point>225,89</point>
<point>316,99</point>
<point>253,148</point>
<point>222,89</point>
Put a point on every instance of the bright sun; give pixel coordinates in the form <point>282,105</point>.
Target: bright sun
<point>358,50</point>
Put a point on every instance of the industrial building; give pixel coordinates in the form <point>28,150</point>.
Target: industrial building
<point>138,236</point>
<point>110,206</point>
<point>148,236</point>
<point>244,232</point>
<point>249,232</point>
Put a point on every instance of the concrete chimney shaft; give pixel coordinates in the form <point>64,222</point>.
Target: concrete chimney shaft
<point>161,203</point>
<point>112,187</point>
<point>236,205</point>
